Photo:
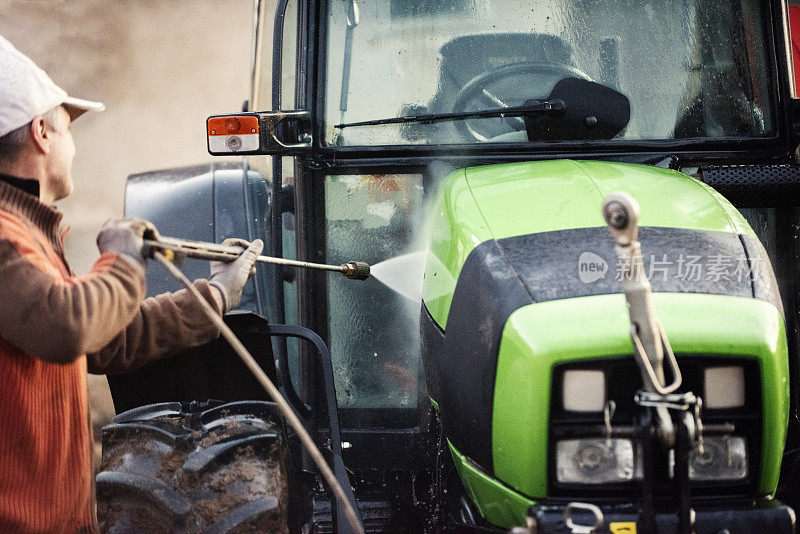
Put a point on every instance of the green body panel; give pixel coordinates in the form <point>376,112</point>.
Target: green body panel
<point>497,503</point>
<point>540,336</point>
<point>499,201</point>
<point>495,202</point>
<point>456,229</point>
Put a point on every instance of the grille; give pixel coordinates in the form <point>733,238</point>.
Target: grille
<point>622,382</point>
<point>756,185</point>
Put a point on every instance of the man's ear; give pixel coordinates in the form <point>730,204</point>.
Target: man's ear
<point>40,133</point>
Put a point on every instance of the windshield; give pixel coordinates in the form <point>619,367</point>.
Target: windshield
<point>690,68</point>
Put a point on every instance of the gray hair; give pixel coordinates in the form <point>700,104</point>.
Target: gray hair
<point>11,144</point>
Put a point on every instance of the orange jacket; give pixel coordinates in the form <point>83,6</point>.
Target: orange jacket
<point>53,327</point>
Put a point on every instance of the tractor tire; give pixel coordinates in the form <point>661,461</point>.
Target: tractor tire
<point>194,467</point>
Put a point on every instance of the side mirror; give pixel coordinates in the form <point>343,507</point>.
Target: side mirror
<point>592,111</point>
<point>277,133</point>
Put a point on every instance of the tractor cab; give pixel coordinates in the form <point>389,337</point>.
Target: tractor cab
<point>698,90</point>
<point>464,148</point>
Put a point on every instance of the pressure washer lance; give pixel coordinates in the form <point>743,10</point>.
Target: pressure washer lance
<point>352,517</point>
<point>621,212</point>
<point>177,249</point>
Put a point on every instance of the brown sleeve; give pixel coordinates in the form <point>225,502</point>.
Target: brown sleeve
<point>164,325</point>
<point>57,320</point>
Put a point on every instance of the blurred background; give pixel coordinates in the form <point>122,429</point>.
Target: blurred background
<point>161,67</point>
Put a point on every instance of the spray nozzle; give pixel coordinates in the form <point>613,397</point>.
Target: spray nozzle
<point>356,270</point>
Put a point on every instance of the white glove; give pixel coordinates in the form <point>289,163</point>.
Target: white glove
<point>229,277</point>
<point>125,237</point>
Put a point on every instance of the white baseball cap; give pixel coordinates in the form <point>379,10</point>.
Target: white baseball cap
<point>27,91</point>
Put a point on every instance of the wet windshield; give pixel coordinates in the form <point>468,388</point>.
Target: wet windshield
<point>690,68</point>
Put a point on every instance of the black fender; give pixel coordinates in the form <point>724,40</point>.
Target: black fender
<point>203,203</point>
<point>210,203</point>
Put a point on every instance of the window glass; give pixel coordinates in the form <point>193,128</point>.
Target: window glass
<point>426,8</point>
<point>289,59</point>
<point>374,330</point>
<point>690,68</point>
<point>794,30</point>
<point>261,100</point>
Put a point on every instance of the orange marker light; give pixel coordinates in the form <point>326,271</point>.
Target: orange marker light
<point>233,125</point>
<point>233,133</point>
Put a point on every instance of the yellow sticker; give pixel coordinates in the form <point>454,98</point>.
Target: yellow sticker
<point>627,527</point>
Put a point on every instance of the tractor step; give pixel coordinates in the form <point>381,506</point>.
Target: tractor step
<point>377,516</point>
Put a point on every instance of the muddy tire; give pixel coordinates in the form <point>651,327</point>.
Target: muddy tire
<point>198,467</point>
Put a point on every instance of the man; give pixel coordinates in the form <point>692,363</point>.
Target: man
<point>55,326</point>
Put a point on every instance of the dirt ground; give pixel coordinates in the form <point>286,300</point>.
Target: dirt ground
<point>161,67</point>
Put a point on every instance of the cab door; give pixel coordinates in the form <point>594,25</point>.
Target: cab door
<point>331,214</point>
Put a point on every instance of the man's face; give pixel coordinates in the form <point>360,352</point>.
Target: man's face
<point>59,160</point>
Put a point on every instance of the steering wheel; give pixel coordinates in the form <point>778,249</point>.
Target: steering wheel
<point>543,76</point>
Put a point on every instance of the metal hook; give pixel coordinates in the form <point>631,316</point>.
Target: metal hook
<point>698,423</point>
<point>728,450</point>
<point>644,361</point>
<point>608,413</point>
<point>583,529</point>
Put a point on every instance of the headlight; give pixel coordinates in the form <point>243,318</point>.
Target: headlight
<point>595,461</point>
<point>584,390</point>
<point>723,387</point>
<point>723,458</point>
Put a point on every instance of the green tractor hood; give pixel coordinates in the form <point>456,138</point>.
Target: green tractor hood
<point>521,278</point>
<point>496,202</point>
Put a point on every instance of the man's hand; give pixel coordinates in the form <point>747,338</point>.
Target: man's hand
<point>229,277</point>
<point>126,237</point>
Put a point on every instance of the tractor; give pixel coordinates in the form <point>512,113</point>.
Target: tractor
<point>582,220</point>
